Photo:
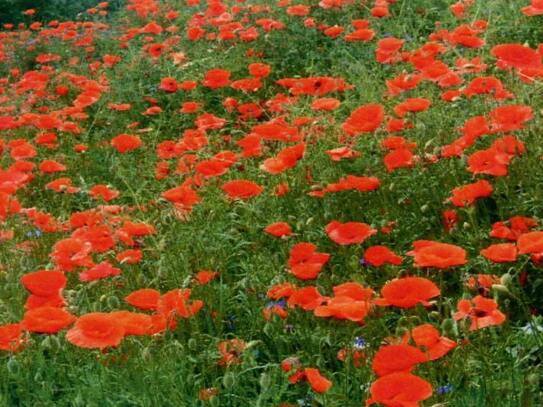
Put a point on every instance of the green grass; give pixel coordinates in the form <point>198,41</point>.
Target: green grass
<point>497,366</point>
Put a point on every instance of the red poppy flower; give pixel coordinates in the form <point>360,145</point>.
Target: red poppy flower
<point>399,390</point>
<point>326,104</point>
<point>259,70</point>
<point>396,358</point>
<point>96,330</point>
<point>530,243</point>
<point>365,119</point>
<point>278,229</point>
<point>183,196</point>
<point>407,292</point>
<point>412,105</point>
<point>482,312</point>
<point>177,302</point>
<point>44,283</point>
<point>168,85</point>
<point>517,226</point>
<point>46,320</point>
<point>129,256</point>
<point>380,255</point>
<point>50,166</point>
<point>216,78</point>
<point>501,253</point>
<point>344,307</point>
<point>397,143</point>
<point>299,10</point>
<point>212,168</point>
<point>231,351</point>
<point>466,195</point>
<point>428,253</point>
<point>281,290</point>
<point>104,192</point>
<point>399,158</point>
<point>516,56</point>
<point>10,337</point>
<point>305,262</point>
<point>510,117</point>
<point>449,219</point>
<point>285,159</point>
<point>70,253</point>
<point>349,232</point>
<point>124,143</point>
<point>145,298</point>
<point>350,182</point>
<point>361,34</point>
<point>433,345</point>
<point>388,50</point>
<point>318,383</point>
<point>241,189</point>
<point>205,276</point>
<point>487,85</point>
<point>133,322</point>
<point>534,9</point>
<point>482,281</point>
<point>99,271</point>
<point>307,298</point>
<point>340,153</point>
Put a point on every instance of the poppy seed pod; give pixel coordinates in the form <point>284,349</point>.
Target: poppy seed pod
<point>448,326</point>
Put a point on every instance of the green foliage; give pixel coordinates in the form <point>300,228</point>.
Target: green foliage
<point>499,366</point>
<point>11,11</point>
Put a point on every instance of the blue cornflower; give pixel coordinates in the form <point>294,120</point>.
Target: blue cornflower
<point>359,343</point>
<point>444,389</point>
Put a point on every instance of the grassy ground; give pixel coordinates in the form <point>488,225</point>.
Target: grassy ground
<point>496,366</point>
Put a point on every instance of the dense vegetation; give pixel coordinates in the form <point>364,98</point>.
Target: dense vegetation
<point>257,203</point>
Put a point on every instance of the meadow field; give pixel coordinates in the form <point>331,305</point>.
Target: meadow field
<point>277,203</point>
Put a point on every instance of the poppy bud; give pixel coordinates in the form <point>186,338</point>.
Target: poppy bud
<point>424,208</point>
<point>46,343</point>
<point>229,380</point>
<point>403,322</point>
<point>401,331</point>
<point>448,326</point>
<point>391,187</point>
<point>51,342</point>
<point>146,354</point>
<point>506,279</point>
<point>78,401</point>
<point>414,320</point>
<point>192,344</point>
<point>466,225</point>
<point>113,302</point>
<point>501,289</point>
<point>13,366</point>
<point>265,381</point>
<point>533,379</point>
<point>434,315</point>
